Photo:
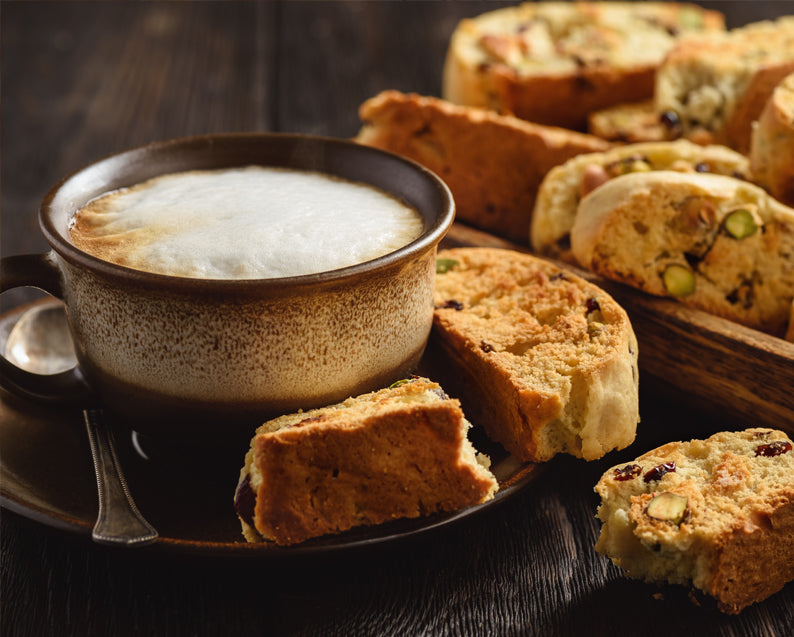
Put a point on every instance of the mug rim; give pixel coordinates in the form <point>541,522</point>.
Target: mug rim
<point>432,234</point>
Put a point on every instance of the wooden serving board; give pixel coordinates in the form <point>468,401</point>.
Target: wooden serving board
<point>742,372</point>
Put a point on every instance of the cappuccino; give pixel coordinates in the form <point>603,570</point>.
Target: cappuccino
<point>244,223</point>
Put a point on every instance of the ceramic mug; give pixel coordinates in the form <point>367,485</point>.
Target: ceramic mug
<point>181,356</point>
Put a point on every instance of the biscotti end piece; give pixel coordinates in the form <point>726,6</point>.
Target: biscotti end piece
<point>401,452</point>
<point>715,85</point>
<point>772,144</point>
<point>548,360</point>
<point>565,185</point>
<point>554,62</point>
<point>716,513</point>
<point>715,243</point>
<point>493,164</point>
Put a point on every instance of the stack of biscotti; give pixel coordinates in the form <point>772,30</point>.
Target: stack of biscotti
<point>555,62</point>
<point>493,164</point>
<point>565,185</point>
<point>544,361</point>
<point>717,514</point>
<point>714,86</point>
<point>772,144</point>
<point>401,452</point>
<point>713,242</point>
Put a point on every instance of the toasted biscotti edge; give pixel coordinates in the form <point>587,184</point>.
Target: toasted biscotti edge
<point>493,164</point>
<point>591,411</point>
<point>563,187</point>
<point>503,59</point>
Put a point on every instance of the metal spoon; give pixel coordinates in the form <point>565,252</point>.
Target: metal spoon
<point>40,343</point>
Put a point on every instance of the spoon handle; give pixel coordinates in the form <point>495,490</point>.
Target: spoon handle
<point>118,521</point>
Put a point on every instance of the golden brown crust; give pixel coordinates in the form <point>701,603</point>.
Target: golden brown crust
<point>548,360</point>
<point>493,164</point>
<point>398,453</point>
<point>554,62</point>
<point>564,186</point>
<point>731,532</point>
<point>772,144</point>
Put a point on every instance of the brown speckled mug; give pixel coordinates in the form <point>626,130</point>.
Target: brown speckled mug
<point>178,356</point>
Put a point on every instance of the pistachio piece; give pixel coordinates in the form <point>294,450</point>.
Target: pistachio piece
<point>740,223</point>
<point>667,506</point>
<point>445,265</point>
<point>678,280</point>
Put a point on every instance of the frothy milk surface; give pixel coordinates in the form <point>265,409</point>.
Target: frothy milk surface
<point>244,223</point>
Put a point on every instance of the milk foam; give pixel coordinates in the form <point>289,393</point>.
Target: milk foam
<point>245,223</point>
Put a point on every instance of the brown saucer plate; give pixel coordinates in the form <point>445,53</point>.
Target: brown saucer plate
<point>46,474</point>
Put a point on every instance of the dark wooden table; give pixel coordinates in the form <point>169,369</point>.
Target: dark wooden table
<point>81,80</point>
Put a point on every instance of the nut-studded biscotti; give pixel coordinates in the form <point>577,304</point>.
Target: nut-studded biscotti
<point>712,87</point>
<point>401,452</point>
<point>772,144</point>
<point>629,123</point>
<point>565,185</point>
<point>554,62</point>
<point>713,242</point>
<point>717,514</point>
<point>493,164</point>
<point>547,360</point>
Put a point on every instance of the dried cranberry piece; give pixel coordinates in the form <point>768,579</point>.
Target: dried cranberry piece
<point>245,500</point>
<point>775,448</point>
<point>452,304</point>
<point>658,471</point>
<point>629,472</point>
<point>592,305</point>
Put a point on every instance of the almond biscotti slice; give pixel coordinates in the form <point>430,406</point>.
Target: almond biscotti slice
<point>401,452</point>
<point>546,361</point>
<point>715,243</point>
<point>716,513</point>
<point>493,164</point>
<point>554,62</point>
<point>713,86</point>
<point>772,144</point>
<point>565,185</point>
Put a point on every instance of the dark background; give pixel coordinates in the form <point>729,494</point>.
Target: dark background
<point>81,80</point>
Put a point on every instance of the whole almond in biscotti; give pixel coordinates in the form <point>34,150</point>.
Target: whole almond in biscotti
<point>716,514</point>
<point>712,242</point>
<point>545,361</point>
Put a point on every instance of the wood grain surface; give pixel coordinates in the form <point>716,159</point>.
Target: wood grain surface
<point>81,80</point>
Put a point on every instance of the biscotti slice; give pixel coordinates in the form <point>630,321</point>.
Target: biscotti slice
<point>714,86</point>
<point>546,361</point>
<point>716,513</point>
<point>493,164</point>
<point>630,123</point>
<point>565,185</point>
<point>715,243</point>
<point>772,144</point>
<point>401,452</point>
<point>554,62</point>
